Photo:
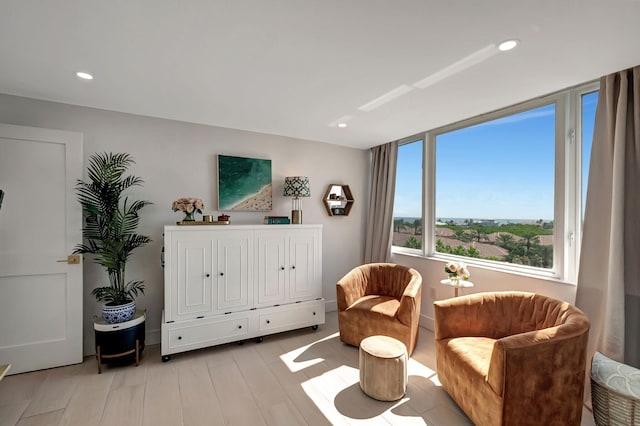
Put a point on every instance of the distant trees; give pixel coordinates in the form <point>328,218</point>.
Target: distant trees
<point>521,241</point>
<point>459,250</point>
<point>478,233</point>
<point>413,242</point>
<point>529,251</point>
<point>417,226</point>
<point>461,234</point>
<point>505,241</point>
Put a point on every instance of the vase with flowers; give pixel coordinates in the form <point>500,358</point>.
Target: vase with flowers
<point>457,271</point>
<point>189,206</point>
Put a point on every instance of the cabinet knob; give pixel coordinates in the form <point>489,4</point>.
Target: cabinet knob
<point>179,337</point>
<point>314,313</point>
<point>221,274</point>
<point>239,326</point>
<point>293,266</point>
<point>268,322</point>
<point>282,268</point>
<point>207,275</point>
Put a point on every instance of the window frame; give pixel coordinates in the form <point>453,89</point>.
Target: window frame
<point>567,185</point>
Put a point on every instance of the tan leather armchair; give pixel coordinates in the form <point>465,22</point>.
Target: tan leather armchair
<point>512,358</point>
<point>380,299</point>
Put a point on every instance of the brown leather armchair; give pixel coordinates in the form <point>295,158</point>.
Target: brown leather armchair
<point>512,358</point>
<point>380,299</point>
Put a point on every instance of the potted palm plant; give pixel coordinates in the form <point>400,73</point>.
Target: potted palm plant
<point>109,231</point>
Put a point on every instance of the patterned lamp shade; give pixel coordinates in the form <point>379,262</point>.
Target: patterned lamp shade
<point>296,186</point>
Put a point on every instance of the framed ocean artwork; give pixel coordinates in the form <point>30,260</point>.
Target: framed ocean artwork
<point>244,184</point>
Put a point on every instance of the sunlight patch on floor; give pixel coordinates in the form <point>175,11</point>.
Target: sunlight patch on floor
<point>338,396</point>
<point>301,358</point>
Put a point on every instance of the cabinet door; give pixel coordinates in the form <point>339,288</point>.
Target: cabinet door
<point>271,268</point>
<point>304,265</point>
<point>191,296</point>
<point>235,273</point>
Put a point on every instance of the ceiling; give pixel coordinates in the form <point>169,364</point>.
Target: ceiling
<point>298,67</point>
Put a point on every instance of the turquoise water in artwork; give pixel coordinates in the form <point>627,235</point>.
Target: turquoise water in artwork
<point>239,178</point>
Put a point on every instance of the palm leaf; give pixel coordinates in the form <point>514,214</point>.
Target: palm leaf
<point>110,222</point>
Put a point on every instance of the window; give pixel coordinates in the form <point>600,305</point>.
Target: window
<point>407,205</point>
<point>495,189</point>
<point>505,190</point>
<point>588,107</point>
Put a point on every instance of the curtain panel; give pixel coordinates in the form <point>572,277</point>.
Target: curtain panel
<point>381,193</point>
<point>609,276</point>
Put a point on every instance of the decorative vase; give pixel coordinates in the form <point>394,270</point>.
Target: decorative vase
<point>114,314</point>
<point>454,280</point>
<point>188,216</point>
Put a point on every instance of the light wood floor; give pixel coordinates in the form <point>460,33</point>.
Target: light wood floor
<point>295,378</point>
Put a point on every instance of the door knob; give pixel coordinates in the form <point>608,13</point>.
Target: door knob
<point>72,259</point>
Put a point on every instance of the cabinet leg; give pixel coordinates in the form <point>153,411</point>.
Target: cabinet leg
<point>259,339</point>
<point>99,360</point>
<point>137,352</point>
<point>166,358</point>
<point>314,327</point>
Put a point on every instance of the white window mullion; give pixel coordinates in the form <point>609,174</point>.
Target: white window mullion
<point>568,145</point>
<point>429,194</point>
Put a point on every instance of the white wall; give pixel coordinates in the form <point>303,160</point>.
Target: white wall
<point>178,159</point>
<point>432,272</point>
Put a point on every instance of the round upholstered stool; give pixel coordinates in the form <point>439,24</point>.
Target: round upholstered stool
<point>383,368</point>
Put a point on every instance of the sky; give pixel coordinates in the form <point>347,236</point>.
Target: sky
<point>501,169</point>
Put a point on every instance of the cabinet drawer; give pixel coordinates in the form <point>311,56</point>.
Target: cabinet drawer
<point>206,332</point>
<point>289,317</point>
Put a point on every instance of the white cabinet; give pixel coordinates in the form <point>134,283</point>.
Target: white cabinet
<point>234,282</point>
<point>289,266</point>
<point>234,273</point>
<point>303,267</point>
<point>209,272</point>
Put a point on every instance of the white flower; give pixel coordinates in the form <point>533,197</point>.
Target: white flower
<point>457,270</point>
<point>188,205</point>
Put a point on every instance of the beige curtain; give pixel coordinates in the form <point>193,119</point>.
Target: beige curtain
<point>609,276</point>
<point>380,219</point>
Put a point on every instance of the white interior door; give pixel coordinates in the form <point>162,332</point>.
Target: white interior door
<point>40,224</point>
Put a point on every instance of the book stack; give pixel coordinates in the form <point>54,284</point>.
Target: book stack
<point>279,220</point>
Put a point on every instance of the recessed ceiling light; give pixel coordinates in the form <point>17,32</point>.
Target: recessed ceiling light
<point>84,75</point>
<point>340,122</point>
<point>507,45</point>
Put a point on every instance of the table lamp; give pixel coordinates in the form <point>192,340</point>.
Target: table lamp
<point>296,187</point>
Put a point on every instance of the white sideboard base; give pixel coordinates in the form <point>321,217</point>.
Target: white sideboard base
<point>237,326</point>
